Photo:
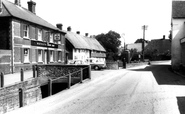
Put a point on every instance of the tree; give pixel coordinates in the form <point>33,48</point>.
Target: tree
<point>110,41</point>
<point>140,41</point>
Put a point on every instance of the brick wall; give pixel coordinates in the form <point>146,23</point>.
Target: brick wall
<point>9,96</point>
<point>56,70</point>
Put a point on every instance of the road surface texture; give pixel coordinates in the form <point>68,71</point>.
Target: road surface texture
<point>140,90</point>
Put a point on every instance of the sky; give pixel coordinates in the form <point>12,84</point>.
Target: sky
<point>125,17</point>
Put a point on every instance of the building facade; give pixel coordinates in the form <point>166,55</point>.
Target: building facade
<point>81,47</point>
<point>178,33</point>
<point>27,38</point>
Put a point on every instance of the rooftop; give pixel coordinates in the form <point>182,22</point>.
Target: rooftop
<point>12,10</point>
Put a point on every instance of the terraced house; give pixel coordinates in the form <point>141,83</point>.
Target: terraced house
<point>82,47</point>
<point>27,39</point>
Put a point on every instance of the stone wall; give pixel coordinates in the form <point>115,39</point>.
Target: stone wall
<point>10,95</point>
<point>112,65</point>
<point>54,71</point>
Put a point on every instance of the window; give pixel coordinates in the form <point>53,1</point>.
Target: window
<point>51,38</point>
<point>25,31</point>
<point>39,34</point>
<point>40,56</point>
<point>59,55</point>
<point>26,55</point>
<point>51,56</point>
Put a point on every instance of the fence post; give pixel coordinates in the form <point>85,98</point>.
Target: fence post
<point>2,79</point>
<point>21,97</point>
<point>69,81</point>
<point>89,70</point>
<point>81,75</point>
<point>22,75</point>
<point>34,71</point>
<point>49,87</point>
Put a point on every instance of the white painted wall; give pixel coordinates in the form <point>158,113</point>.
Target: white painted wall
<point>79,54</point>
<point>178,32</point>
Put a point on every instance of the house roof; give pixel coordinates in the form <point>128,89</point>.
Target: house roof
<point>178,9</point>
<point>25,14</point>
<point>83,42</point>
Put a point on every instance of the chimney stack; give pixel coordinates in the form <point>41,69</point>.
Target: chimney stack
<point>77,32</point>
<point>86,34</point>
<point>31,6</point>
<point>59,26</point>
<point>163,37</point>
<point>18,2</point>
<point>69,28</point>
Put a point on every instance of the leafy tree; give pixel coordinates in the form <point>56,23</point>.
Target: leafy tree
<point>110,41</point>
<point>140,41</point>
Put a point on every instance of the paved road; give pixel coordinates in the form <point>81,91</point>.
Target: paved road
<point>132,91</point>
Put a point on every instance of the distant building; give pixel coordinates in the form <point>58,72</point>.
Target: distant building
<point>178,33</point>
<point>137,46</point>
<point>160,45</point>
<point>27,39</point>
<point>81,47</point>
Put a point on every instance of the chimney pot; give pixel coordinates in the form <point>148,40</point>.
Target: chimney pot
<point>59,26</point>
<point>77,32</point>
<point>69,28</point>
<point>163,37</point>
<point>31,6</point>
<point>18,2</point>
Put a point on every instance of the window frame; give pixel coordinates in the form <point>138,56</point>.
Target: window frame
<point>25,31</point>
<point>40,55</point>
<point>51,40</point>
<point>40,34</point>
<point>51,56</point>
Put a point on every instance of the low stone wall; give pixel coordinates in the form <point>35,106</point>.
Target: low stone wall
<point>10,95</point>
<point>53,71</point>
<point>112,65</point>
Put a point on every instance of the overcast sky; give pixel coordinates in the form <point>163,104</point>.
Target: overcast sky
<point>100,16</point>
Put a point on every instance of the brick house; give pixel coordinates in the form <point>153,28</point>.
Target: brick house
<point>81,47</point>
<point>27,39</point>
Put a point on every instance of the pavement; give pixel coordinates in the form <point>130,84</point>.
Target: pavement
<point>10,79</point>
<point>138,90</point>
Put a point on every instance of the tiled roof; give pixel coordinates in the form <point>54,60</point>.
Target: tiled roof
<point>82,42</point>
<point>24,14</point>
<point>178,9</point>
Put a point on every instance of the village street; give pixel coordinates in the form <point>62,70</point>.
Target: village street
<point>139,90</point>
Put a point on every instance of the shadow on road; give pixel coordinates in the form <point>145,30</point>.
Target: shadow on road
<point>164,75</point>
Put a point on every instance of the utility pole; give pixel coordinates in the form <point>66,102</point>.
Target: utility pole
<point>144,27</point>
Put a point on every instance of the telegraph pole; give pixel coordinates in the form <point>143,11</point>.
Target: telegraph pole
<point>144,27</point>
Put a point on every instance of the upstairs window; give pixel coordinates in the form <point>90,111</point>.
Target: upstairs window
<point>39,34</point>
<point>51,38</point>
<point>25,31</point>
